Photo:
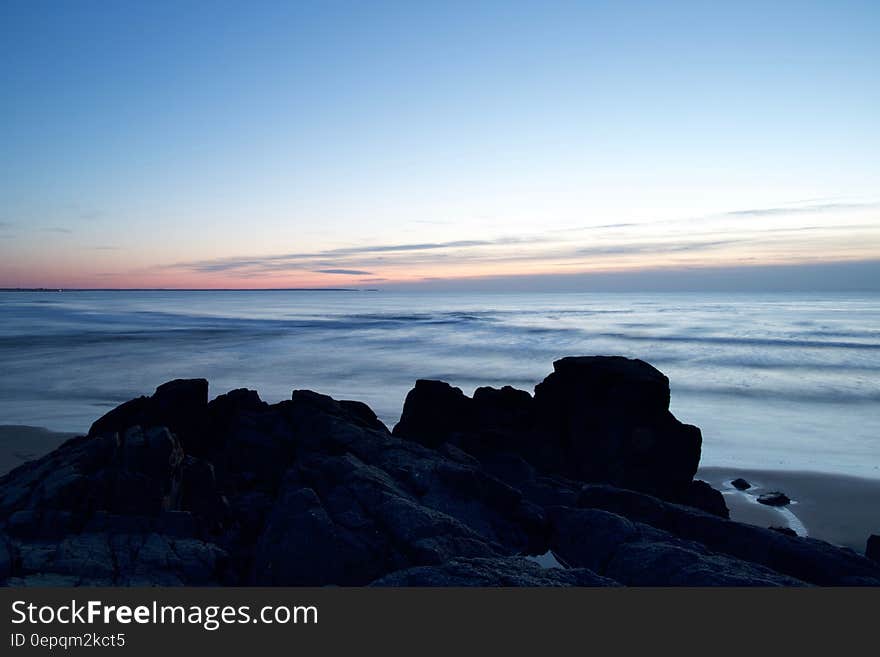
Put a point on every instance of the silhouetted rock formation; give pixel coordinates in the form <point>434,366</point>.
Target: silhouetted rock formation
<point>596,419</point>
<point>774,499</point>
<point>740,484</point>
<point>173,489</point>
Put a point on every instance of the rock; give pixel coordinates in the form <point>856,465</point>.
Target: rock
<point>198,495</point>
<point>637,554</point>
<point>806,559</point>
<point>174,490</point>
<point>433,412</point>
<point>362,414</point>
<point>179,405</point>
<point>601,419</point>
<point>872,549</point>
<point>510,571</point>
<point>774,499</point>
<point>687,564</point>
<point>5,558</point>
<point>611,417</point>
<point>740,484</point>
<point>788,531</point>
<point>701,495</point>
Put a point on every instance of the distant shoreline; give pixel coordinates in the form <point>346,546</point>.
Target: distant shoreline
<point>185,289</point>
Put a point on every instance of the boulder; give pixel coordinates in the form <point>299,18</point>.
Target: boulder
<point>788,531</point>
<point>179,405</point>
<point>598,419</point>
<point>611,417</point>
<point>774,499</point>
<point>701,495</point>
<point>434,412</point>
<point>637,554</point>
<point>509,571</point>
<point>740,484</point>
<point>806,559</point>
<point>872,549</point>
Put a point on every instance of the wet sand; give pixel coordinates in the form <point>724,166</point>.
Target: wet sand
<point>19,444</point>
<point>836,508</point>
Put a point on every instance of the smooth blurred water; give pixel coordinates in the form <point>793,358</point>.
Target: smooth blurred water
<point>774,381</point>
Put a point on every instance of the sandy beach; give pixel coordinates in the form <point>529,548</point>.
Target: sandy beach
<point>20,443</point>
<point>836,508</point>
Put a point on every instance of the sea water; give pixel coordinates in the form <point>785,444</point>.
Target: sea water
<point>779,381</point>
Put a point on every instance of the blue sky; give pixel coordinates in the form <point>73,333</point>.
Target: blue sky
<point>330,143</point>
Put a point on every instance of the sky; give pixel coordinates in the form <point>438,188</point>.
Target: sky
<point>439,145</point>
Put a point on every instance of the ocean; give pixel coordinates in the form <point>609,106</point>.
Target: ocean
<point>775,381</point>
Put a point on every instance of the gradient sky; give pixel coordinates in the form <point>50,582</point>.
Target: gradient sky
<point>371,144</point>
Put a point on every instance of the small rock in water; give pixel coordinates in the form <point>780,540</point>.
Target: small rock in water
<point>788,531</point>
<point>872,550</point>
<point>774,499</point>
<point>740,484</point>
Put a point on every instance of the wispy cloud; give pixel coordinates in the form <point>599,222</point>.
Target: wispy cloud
<point>654,247</point>
<point>348,272</point>
<point>816,208</point>
<point>718,237</point>
<point>308,260</point>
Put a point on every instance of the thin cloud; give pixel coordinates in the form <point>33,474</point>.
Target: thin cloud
<point>684,237</point>
<point>806,209</point>
<point>394,248</point>
<point>654,247</point>
<point>783,210</point>
<point>349,272</point>
<point>306,260</point>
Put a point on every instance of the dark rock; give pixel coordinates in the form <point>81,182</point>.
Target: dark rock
<point>5,557</point>
<point>637,554</point>
<point>603,419</point>
<point>788,531</point>
<point>223,407</point>
<point>173,490</point>
<point>611,417</point>
<point>806,559</point>
<point>179,405</point>
<point>198,492</point>
<point>740,484</point>
<point>433,412</point>
<point>701,495</point>
<point>502,413</point>
<point>774,499</point>
<point>509,571</point>
<point>362,414</point>
<point>872,549</point>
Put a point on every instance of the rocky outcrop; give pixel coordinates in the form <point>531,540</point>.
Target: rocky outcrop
<point>172,489</point>
<point>872,548</point>
<point>510,571</point>
<point>806,559</point>
<point>597,419</point>
<point>774,499</point>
